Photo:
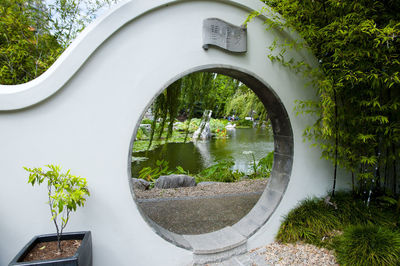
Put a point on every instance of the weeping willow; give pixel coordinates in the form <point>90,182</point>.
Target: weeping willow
<point>165,106</point>
<point>245,103</point>
<point>204,91</point>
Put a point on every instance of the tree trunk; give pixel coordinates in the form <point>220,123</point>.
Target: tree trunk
<point>394,170</point>
<point>336,145</point>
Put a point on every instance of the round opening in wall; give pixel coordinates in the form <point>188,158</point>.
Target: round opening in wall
<point>212,153</point>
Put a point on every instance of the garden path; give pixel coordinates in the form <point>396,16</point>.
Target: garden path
<point>282,254</point>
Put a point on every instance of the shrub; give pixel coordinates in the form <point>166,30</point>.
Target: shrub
<point>368,245</point>
<point>311,221</point>
<point>264,167</point>
<point>315,222</point>
<point>142,134</point>
<point>244,123</point>
<point>146,121</point>
<point>217,125</point>
<point>65,193</point>
<point>162,168</point>
<point>220,172</point>
<point>151,174</point>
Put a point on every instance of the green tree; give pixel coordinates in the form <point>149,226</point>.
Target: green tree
<point>357,44</point>
<point>25,51</point>
<point>246,103</point>
<point>196,92</point>
<point>33,33</point>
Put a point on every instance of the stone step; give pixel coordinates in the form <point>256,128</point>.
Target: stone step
<point>216,246</point>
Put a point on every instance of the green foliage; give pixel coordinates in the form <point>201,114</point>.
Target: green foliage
<point>317,220</point>
<point>357,44</point>
<point>178,135</point>
<point>190,96</point>
<point>245,103</point>
<point>217,125</point>
<point>387,201</point>
<point>180,171</point>
<point>146,121</point>
<point>220,172</point>
<point>69,17</point>
<point>184,94</point>
<point>242,123</point>
<point>143,145</point>
<point>65,192</point>
<point>33,33</point>
<point>151,174</point>
<point>25,52</point>
<point>221,133</point>
<point>264,166</point>
<point>142,134</point>
<point>368,245</point>
<point>162,168</point>
<point>309,222</point>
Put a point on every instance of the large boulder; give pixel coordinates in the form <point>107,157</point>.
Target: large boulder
<point>175,181</point>
<point>140,184</point>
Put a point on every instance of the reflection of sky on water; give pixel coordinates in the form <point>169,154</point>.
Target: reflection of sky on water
<point>197,156</point>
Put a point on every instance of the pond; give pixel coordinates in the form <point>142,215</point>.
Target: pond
<point>196,156</point>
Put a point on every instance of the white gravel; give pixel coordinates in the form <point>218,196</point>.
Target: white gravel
<point>246,186</point>
<point>282,254</point>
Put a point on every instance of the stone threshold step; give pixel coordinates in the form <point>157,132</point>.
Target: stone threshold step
<point>216,246</point>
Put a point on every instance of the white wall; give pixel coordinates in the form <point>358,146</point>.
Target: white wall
<point>82,114</point>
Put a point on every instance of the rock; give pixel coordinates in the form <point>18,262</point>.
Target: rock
<point>140,184</point>
<point>229,126</point>
<point>204,131</point>
<point>175,181</point>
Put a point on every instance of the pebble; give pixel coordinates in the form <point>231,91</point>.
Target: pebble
<point>282,254</point>
<point>218,188</point>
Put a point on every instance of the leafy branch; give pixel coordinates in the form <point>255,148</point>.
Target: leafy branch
<point>65,192</point>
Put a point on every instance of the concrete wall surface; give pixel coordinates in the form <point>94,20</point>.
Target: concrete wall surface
<point>83,112</point>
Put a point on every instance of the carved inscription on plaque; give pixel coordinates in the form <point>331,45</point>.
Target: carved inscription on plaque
<point>224,35</point>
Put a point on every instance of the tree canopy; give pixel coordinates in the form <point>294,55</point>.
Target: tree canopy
<point>190,96</point>
<point>357,44</point>
<point>33,33</point>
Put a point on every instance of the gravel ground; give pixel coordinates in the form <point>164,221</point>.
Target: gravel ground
<point>213,189</point>
<point>272,254</point>
<point>282,254</point>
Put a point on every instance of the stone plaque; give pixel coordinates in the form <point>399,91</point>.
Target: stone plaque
<point>224,35</point>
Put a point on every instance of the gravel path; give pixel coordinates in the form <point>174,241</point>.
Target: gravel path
<point>272,254</point>
<point>212,189</point>
<point>282,254</point>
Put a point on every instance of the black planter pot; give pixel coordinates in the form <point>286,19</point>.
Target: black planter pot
<point>82,257</point>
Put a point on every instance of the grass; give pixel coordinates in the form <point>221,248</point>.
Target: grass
<point>368,245</point>
<point>315,222</point>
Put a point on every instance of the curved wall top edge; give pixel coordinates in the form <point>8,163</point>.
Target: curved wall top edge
<point>14,97</point>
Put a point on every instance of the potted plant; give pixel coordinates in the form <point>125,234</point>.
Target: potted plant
<point>65,193</point>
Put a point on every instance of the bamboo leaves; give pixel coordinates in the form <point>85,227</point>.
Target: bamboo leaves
<point>357,44</point>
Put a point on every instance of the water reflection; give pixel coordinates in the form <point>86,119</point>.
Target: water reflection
<point>194,157</point>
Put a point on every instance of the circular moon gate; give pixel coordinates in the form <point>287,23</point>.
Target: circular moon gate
<point>235,237</point>
<point>82,113</point>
